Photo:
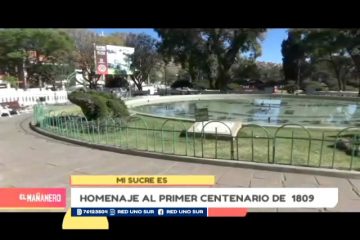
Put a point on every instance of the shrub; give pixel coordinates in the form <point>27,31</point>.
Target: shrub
<point>291,87</point>
<point>181,84</point>
<point>235,86</point>
<point>98,105</point>
<point>118,107</point>
<point>317,86</point>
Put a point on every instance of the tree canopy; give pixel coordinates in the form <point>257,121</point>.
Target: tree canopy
<point>33,50</point>
<point>145,57</point>
<point>209,51</point>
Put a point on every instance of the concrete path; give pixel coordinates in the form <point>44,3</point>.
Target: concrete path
<point>28,159</point>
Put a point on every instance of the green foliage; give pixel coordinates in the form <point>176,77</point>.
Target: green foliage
<point>332,47</point>
<point>118,39</point>
<point>245,69</point>
<point>181,84</point>
<point>32,49</point>
<point>98,105</point>
<point>334,51</point>
<point>293,51</point>
<point>118,108</point>
<point>83,55</point>
<point>144,58</point>
<point>102,94</point>
<point>12,80</point>
<point>317,86</point>
<point>351,88</point>
<point>201,84</point>
<point>48,73</point>
<point>291,86</point>
<point>235,86</point>
<point>210,51</point>
<point>116,81</point>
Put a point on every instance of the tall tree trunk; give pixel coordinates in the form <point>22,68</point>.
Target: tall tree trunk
<point>192,74</point>
<point>222,79</point>
<point>338,77</point>
<point>92,81</point>
<point>223,75</point>
<point>356,59</point>
<point>298,75</point>
<point>21,74</point>
<point>139,85</point>
<point>211,83</point>
<point>343,83</point>
<point>358,77</point>
<point>337,72</point>
<point>137,81</point>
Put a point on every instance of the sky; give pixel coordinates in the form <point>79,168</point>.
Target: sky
<point>271,46</point>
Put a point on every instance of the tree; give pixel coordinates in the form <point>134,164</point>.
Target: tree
<point>293,51</point>
<point>13,81</point>
<point>328,45</point>
<point>84,55</point>
<point>31,49</point>
<point>350,38</point>
<point>12,52</point>
<point>185,47</point>
<point>38,74</point>
<point>144,58</point>
<point>245,69</point>
<point>52,60</point>
<point>270,72</point>
<point>118,39</point>
<point>211,51</point>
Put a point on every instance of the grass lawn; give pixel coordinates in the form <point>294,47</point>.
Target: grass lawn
<point>252,144</point>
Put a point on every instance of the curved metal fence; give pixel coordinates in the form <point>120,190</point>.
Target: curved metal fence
<point>290,144</point>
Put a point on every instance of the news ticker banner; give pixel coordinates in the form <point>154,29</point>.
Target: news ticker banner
<point>193,201</point>
<point>142,180</point>
<point>32,198</point>
<point>159,212</point>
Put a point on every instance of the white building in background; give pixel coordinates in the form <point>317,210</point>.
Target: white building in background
<point>79,80</point>
<point>118,58</point>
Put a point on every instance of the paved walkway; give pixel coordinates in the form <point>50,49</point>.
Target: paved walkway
<point>28,159</point>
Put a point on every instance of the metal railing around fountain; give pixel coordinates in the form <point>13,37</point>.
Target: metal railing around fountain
<point>290,144</point>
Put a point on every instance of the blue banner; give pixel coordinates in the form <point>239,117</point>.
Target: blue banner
<point>139,212</point>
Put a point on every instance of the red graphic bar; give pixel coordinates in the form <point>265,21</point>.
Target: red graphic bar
<point>227,212</point>
<point>32,197</point>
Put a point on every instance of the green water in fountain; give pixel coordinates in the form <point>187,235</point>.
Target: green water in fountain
<point>266,111</point>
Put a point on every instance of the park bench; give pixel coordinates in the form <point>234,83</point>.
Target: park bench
<point>14,107</point>
<point>5,111</point>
